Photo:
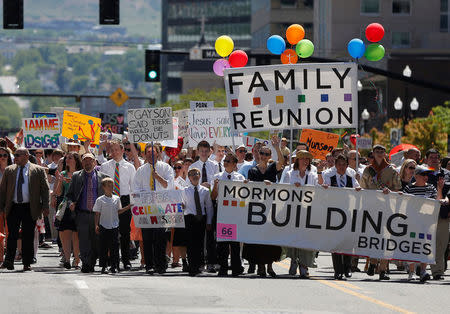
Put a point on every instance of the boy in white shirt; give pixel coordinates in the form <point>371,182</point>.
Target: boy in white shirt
<point>107,209</point>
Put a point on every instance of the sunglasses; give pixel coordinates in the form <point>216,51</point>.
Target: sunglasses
<point>241,150</point>
<point>265,154</point>
<point>177,167</point>
<point>412,168</point>
<point>227,160</point>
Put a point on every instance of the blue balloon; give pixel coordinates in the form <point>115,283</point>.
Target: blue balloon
<point>276,44</point>
<point>356,48</point>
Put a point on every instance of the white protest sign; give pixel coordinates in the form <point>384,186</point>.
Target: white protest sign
<point>397,158</point>
<point>183,117</point>
<point>250,141</point>
<point>41,132</point>
<point>293,96</point>
<point>364,143</point>
<point>158,209</point>
<point>211,126</point>
<point>365,223</point>
<point>172,143</point>
<point>201,104</point>
<point>150,124</point>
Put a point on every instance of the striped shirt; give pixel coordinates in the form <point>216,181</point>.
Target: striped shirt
<point>428,191</point>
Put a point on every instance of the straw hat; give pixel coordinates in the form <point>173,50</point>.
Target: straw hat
<point>71,142</point>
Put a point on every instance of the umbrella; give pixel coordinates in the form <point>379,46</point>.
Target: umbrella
<point>400,148</point>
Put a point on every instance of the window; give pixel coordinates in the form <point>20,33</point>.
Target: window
<point>401,39</point>
<point>370,6</point>
<point>288,3</point>
<point>401,7</point>
<point>444,16</point>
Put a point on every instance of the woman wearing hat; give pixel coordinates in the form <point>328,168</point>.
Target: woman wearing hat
<point>302,175</point>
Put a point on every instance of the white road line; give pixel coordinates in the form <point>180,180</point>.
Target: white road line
<point>81,284</point>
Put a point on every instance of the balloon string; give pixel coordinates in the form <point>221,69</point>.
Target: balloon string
<point>377,95</point>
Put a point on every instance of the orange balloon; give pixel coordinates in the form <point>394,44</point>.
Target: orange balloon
<point>289,57</point>
<point>295,33</point>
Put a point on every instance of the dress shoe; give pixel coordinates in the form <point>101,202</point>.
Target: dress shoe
<point>435,277</point>
<point>251,269</point>
<point>348,274</point>
<point>383,276</point>
<point>104,271</point>
<point>293,268</point>
<point>10,266</point>
<point>211,269</point>
<point>26,268</point>
<point>112,270</point>
<point>271,273</point>
<point>160,271</point>
<point>222,273</point>
<point>185,268</point>
<point>34,260</point>
<point>85,269</point>
<point>194,273</point>
<point>67,265</point>
<point>262,273</point>
<point>127,267</point>
<point>149,271</point>
<point>238,273</point>
<point>371,270</point>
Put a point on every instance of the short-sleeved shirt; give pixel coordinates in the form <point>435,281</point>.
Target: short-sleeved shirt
<point>108,208</point>
<point>254,174</point>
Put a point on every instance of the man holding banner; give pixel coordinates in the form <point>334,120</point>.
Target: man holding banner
<point>154,175</point>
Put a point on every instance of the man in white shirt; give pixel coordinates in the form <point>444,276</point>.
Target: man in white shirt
<point>352,164</point>
<point>219,153</point>
<point>154,175</point>
<point>225,248</point>
<point>198,215</point>
<point>207,169</point>
<point>122,172</point>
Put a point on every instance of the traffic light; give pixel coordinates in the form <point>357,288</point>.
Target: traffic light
<point>109,12</point>
<point>13,14</point>
<point>152,65</point>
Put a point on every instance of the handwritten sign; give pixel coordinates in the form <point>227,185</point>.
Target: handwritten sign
<point>305,95</point>
<point>363,143</point>
<point>81,127</point>
<point>211,126</point>
<point>183,118</point>
<point>158,209</point>
<point>150,124</point>
<point>113,121</point>
<point>201,104</point>
<point>319,143</point>
<point>172,143</point>
<point>41,132</point>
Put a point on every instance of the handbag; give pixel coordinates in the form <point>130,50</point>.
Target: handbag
<point>61,209</point>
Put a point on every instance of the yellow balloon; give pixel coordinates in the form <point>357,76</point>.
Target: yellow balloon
<point>224,45</point>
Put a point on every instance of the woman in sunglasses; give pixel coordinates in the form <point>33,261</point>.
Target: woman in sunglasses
<point>407,172</point>
<point>5,161</point>
<point>265,172</point>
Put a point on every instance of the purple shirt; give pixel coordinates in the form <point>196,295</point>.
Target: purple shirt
<point>83,198</point>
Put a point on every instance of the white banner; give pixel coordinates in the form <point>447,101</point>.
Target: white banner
<point>183,117</point>
<point>201,104</point>
<point>364,143</point>
<point>172,143</point>
<point>365,223</point>
<point>41,132</point>
<point>293,96</point>
<point>158,209</point>
<point>150,124</point>
<point>211,126</point>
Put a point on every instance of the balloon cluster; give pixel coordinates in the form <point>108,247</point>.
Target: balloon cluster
<point>224,48</point>
<point>373,52</point>
<point>295,36</point>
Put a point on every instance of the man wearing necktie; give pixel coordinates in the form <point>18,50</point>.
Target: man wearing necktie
<point>198,214</point>
<point>84,189</point>
<point>24,197</point>
<point>342,264</point>
<point>208,169</point>
<point>154,175</point>
<point>122,172</point>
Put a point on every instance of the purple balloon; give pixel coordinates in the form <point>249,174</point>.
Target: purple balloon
<point>220,65</point>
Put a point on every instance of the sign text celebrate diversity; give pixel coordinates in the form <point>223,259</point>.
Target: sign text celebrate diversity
<point>292,96</point>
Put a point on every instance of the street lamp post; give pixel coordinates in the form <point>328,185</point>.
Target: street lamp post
<point>365,117</point>
<point>398,104</point>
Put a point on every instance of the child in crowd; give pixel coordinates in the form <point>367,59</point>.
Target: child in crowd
<point>107,209</point>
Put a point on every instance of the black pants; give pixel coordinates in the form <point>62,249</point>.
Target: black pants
<point>20,214</point>
<point>195,233</point>
<point>155,242</point>
<point>341,263</point>
<point>109,241</point>
<point>125,230</point>
<point>211,243</point>
<point>224,249</point>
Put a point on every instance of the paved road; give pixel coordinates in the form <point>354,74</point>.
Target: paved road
<point>52,289</point>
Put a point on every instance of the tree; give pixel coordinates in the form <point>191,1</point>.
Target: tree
<point>10,115</point>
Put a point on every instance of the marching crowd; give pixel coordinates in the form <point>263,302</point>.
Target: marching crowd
<point>83,200</point>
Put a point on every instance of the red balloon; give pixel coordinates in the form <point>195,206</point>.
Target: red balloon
<point>374,32</point>
<point>353,138</point>
<point>173,152</point>
<point>238,59</point>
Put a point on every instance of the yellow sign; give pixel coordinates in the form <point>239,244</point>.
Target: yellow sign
<point>119,97</point>
<point>81,127</point>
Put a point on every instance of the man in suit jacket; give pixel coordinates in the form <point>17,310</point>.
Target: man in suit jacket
<point>24,196</point>
<point>84,189</point>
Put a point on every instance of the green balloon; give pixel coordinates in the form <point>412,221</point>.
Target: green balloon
<point>304,48</point>
<point>374,52</point>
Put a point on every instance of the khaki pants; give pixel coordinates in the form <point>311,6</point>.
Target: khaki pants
<point>441,246</point>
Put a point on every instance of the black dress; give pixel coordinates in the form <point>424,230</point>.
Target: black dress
<point>261,253</point>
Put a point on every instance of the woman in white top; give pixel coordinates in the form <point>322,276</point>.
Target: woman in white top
<point>301,175</point>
